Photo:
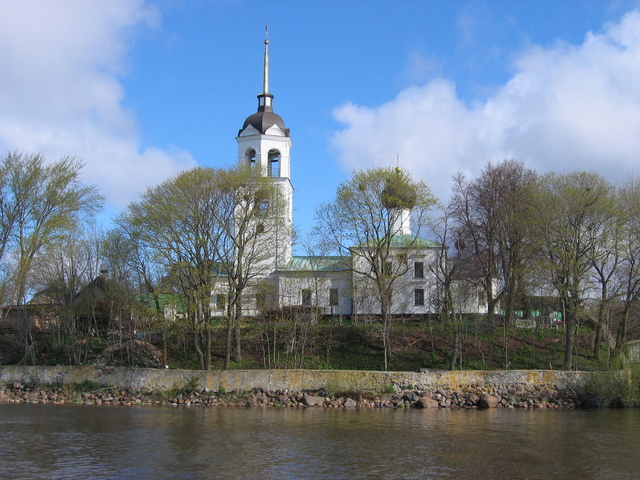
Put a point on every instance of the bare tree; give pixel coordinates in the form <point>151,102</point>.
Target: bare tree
<point>138,277</point>
<point>494,215</point>
<point>63,270</point>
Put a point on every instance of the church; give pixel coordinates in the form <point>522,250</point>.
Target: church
<point>327,285</point>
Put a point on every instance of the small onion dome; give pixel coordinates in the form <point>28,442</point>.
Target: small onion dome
<point>398,193</point>
<point>263,121</point>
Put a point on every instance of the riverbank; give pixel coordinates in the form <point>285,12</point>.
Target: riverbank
<point>464,397</point>
<point>293,388</point>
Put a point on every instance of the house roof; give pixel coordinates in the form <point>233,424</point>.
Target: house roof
<point>316,264</point>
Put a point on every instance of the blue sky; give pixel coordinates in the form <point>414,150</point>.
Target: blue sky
<point>142,89</point>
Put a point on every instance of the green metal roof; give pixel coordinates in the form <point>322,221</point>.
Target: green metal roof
<point>317,264</point>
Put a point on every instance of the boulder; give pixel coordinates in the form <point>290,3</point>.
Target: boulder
<point>313,400</point>
<point>488,401</point>
<point>410,397</point>
<point>350,403</point>
<point>427,402</point>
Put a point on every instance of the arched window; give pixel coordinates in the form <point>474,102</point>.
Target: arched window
<point>251,158</point>
<point>274,164</point>
<point>263,207</point>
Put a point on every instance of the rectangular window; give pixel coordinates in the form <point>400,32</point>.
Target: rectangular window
<point>418,269</point>
<point>221,301</point>
<point>333,296</point>
<point>388,269</point>
<point>482,299</point>
<point>306,298</point>
<point>418,297</point>
<point>260,300</point>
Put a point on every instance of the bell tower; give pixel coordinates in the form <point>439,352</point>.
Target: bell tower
<point>264,143</point>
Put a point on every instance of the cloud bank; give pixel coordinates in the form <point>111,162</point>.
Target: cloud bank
<point>60,92</point>
<point>568,107</point>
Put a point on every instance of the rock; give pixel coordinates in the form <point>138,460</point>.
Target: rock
<point>410,397</point>
<point>427,402</point>
<point>313,400</point>
<point>547,393</point>
<point>488,401</point>
<point>350,403</point>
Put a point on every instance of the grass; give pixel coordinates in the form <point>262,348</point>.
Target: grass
<point>415,345</point>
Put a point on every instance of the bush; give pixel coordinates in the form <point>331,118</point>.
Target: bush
<point>614,388</point>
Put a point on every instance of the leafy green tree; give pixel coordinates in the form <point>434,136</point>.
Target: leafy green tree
<point>365,222</point>
<point>207,227</point>
<point>605,258</point>
<point>39,202</point>
<point>628,272</point>
<point>177,220</point>
<point>574,209</point>
<point>248,213</point>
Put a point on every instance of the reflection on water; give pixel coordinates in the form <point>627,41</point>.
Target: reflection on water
<point>64,442</point>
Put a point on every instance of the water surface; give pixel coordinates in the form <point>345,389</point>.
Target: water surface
<point>65,442</point>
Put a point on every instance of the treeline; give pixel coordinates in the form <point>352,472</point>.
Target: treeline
<point>573,236</point>
<point>518,234</point>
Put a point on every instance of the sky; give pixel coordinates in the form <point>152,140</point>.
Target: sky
<point>141,90</point>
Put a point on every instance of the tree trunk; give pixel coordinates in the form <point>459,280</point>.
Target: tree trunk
<point>208,348</point>
<point>198,348</point>
<point>238,316</point>
<point>165,348</point>
<point>227,345</point>
<point>238,350</point>
<point>597,340</point>
<point>386,327</point>
<point>456,342</point>
<point>568,335</point>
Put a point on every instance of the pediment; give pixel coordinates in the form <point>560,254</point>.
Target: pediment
<point>274,130</point>
<point>249,131</point>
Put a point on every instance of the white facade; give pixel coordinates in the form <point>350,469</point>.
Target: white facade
<point>328,285</point>
<point>414,290</point>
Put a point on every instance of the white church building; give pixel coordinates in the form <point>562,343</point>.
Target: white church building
<point>328,285</point>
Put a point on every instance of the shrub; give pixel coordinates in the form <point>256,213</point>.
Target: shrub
<point>615,388</point>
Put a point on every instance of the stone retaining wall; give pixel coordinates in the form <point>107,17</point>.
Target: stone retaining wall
<point>292,388</point>
<point>136,379</point>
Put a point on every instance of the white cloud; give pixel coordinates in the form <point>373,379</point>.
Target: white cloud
<point>60,92</point>
<point>566,108</point>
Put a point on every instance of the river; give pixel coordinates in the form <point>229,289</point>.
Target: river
<point>71,442</point>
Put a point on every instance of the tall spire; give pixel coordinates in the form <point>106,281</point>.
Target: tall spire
<point>265,82</point>
<point>265,98</point>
